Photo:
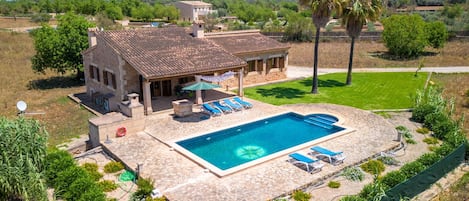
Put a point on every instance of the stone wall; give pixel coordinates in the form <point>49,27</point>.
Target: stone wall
<point>105,127</point>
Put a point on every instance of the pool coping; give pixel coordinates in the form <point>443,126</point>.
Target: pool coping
<point>222,173</point>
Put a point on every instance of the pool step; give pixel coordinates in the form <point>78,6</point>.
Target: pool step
<point>331,120</point>
<point>324,121</point>
<point>319,123</point>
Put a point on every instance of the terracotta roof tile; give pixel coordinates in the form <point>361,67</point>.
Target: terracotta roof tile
<point>165,52</point>
<point>246,42</point>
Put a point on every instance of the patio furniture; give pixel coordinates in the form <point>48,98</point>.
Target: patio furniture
<point>223,108</point>
<point>211,110</point>
<point>333,157</point>
<point>245,104</point>
<point>234,106</point>
<point>310,164</point>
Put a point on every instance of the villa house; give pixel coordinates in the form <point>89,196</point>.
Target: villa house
<point>191,10</point>
<point>153,62</point>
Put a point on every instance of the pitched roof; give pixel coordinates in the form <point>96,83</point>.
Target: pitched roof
<point>166,52</point>
<point>244,42</point>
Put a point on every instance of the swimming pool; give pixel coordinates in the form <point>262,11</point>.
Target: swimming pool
<point>229,150</point>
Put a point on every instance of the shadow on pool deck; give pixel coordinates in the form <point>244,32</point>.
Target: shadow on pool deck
<point>179,178</point>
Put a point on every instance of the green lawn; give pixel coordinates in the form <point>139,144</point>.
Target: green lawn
<point>368,90</point>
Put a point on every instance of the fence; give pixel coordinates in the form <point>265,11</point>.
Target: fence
<point>425,179</point>
<point>365,35</point>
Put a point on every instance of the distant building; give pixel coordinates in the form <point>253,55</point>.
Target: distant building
<point>191,10</point>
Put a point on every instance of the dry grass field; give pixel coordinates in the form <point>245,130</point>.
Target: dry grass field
<point>370,54</point>
<point>46,93</point>
<point>20,22</point>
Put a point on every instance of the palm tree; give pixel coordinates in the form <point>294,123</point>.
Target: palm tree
<point>322,11</point>
<point>354,17</point>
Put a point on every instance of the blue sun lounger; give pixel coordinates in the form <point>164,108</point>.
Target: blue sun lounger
<point>208,108</point>
<point>243,103</point>
<point>234,106</point>
<point>333,157</point>
<point>223,108</point>
<point>310,164</point>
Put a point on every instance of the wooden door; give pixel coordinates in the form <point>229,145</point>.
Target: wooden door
<point>166,87</point>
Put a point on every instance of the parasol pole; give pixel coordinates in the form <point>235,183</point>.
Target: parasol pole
<point>198,93</point>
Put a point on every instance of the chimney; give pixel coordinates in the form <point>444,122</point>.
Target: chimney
<point>198,29</point>
<point>92,36</point>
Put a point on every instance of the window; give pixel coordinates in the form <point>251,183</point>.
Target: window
<point>109,79</point>
<point>273,63</point>
<point>251,66</point>
<point>94,73</point>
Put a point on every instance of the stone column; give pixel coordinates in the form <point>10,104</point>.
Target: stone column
<point>147,97</point>
<point>240,82</point>
<point>198,93</point>
<point>264,66</point>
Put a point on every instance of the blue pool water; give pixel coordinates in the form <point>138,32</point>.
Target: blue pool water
<point>234,146</point>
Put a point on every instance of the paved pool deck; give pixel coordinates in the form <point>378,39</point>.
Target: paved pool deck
<point>180,178</point>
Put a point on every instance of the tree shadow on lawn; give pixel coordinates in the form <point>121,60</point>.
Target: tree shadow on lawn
<point>323,83</point>
<point>55,82</point>
<point>387,56</point>
<point>281,92</point>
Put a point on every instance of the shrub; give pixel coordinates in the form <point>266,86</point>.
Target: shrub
<point>108,185</point>
<point>300,195</point>
<point>420,111</point>
<point>353,174</point>
<point>444,149</point>
<point>434,118</point>
<point>373,167</point>
<point>455,138</point>
<point>410,141</point>
<point>333,184</point>
<point>423,130</point>
<point>95,194</point>
<point>388,160</point>
<point>373,191</point>
<point>92,170</point>
<point>411,169</point>
<point>444,128</point>
<point>428,159</point>
<point>78,187</point>
<point>402,129</point>
<point>145,186</point>
<point>352,198</point>
<point>393,178</point>
<point>437,34</point>
<point>113,167</point>
<point>67,177</point>
<point>404,35</point>
<point>56,162</point>
<point>430,140</point>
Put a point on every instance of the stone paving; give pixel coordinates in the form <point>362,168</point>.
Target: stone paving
<point>179,178</point>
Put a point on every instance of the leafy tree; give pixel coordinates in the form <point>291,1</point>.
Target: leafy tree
<point>298,28</point>
<point>113,12</point>
<point>437,34</point>
<point>404,35</point>
<point>60,49</point>
<point>321,13</point>
<point>354,17</point>
<point>23,143</point>
<point>144,12</point>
